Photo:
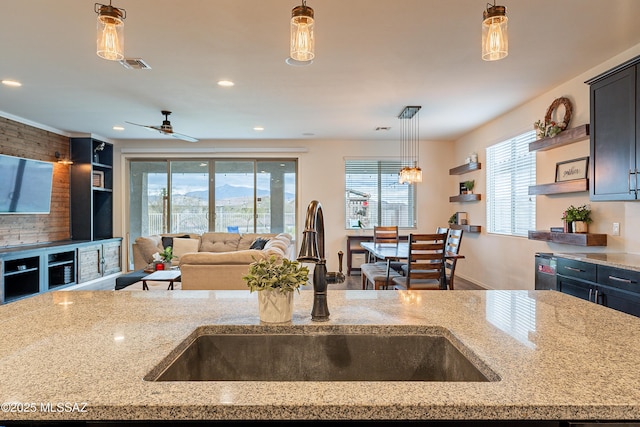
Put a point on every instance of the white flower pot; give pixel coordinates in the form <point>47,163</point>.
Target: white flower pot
<point>275,306</point>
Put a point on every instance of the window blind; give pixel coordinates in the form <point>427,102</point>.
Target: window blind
<point>373,195</point>
<point>511,169</point>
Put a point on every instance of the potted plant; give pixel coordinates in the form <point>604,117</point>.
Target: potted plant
<point>164,258</point>
<point>579,216</point>
<point>469,186</point>
<point>275,279</point>
<point>453,219</point>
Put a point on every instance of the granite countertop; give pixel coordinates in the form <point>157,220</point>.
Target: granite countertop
<point>615,259</point>
<point>87,353</point>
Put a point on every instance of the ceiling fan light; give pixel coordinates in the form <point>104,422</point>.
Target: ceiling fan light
<point>495,38</point>
<point>110,32</point>
<point>302,47</point>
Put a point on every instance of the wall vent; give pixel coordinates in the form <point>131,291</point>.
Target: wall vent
<point>135,64</point>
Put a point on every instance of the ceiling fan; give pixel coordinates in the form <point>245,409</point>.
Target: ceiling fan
<point>166,128</point>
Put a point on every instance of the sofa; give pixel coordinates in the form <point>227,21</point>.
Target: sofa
<point>214,260</point>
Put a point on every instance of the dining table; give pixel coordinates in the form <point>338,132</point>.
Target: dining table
<point>400,252</point>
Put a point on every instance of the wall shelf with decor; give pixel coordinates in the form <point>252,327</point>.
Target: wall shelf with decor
<point>578,239</point>
<point>566,137</point>
<point>467,228</point>
<point>466,168</point>
<point>574,186</point>
<point>465,198</point>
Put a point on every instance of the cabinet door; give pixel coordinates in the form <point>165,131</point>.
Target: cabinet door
<point>111,255</point>
<point>613,136</point>
<point>618,299</point>
<point>89,263</point>
<point>576,288</point>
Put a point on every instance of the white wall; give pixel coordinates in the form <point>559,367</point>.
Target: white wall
<point>502,262</point>
<point>320,176</point>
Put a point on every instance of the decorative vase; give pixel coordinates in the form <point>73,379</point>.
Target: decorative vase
<point>167,265</point>
<point>275,306</point>
<point>96,158</point>
<point>580,227</point>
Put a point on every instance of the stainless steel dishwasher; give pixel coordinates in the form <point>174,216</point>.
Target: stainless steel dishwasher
<point>546,265</point>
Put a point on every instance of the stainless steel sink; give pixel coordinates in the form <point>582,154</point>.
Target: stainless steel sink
<point>322,354</point>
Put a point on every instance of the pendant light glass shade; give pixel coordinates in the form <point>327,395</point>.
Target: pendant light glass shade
<point>302,46</point>
<point>110,32</point>
<point>410,172</point>
<point>495,39</point>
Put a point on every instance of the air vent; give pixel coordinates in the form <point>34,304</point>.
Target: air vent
<point>135,64</point>
<point>383,128</point>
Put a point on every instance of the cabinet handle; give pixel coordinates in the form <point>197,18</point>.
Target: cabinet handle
<point>595,298</point>
<point>590,292</point>
<point>620,279</point>
<point>574,269</point>
<point>631,189</point>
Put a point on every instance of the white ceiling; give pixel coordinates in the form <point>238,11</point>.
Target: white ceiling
<point>372,58</point>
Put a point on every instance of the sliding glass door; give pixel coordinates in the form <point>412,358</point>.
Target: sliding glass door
<point>196,196</point>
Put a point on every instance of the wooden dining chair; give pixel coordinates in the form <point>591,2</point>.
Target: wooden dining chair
<point>425,266</point>
<point>454,239</point>
<point>375,271</point>
<point>384,234</point>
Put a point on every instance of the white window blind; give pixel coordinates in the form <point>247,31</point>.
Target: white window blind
<point>511,169</point>
<point>373,195</point>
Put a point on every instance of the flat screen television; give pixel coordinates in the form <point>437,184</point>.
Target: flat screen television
<point>25,185</point>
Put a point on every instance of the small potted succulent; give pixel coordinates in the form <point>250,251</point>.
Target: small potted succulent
<point>469,186</point>
<point>164,258</point>
<point>579,216</point>
<point>275,279</point>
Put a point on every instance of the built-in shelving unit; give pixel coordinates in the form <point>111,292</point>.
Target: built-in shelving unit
<point>572,186</point>
<point>578,239</point>
<point>566,137</point>
<point>467,228</point>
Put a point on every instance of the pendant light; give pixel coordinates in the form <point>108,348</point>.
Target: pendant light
<point>410,172</point>
<point>495,39</point>
<point>302,48</point>
<point>110,32</point>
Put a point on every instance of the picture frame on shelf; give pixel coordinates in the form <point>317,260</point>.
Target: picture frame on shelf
<point>462,218</point>
<point>572,169</point>
<point>98,179</point>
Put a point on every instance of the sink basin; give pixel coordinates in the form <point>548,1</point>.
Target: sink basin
<point>317,354</point>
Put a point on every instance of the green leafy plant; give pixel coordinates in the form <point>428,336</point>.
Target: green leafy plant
<point>469,185</point>
<point>580,213</point>
<point>167,254</point>
<point>276,273</point>
<point>453,218</point>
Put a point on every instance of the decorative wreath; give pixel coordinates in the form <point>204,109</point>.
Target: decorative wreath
<point>568,109</point>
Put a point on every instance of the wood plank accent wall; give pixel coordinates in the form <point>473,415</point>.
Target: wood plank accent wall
<point>21,140</point>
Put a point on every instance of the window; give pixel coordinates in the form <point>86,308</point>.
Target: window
<point>511,169</point>
<point>196,196</point>
<point>373,195</point>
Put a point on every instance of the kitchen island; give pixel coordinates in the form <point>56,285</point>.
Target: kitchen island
<point>85,356</point>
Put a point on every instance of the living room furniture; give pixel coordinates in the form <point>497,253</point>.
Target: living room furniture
<point>32,269</point>
<point>161,276</point>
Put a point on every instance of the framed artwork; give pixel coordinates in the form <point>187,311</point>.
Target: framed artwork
<point>98,179</point>
<point>572,169</point>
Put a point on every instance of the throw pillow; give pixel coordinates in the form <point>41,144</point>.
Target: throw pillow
<point>181,246</point>
<point>259,243</point>
<point>168,240</point>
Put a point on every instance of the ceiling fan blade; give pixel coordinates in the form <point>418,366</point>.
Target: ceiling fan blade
<point>157,128</point>
<point>183,137</point>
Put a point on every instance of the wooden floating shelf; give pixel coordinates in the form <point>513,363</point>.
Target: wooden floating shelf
<point>465,198</point>
<point>467,228</point>
<point>573,186</point>
<point>469,167</point>
<point>578,239</point>
<point>566,137</point>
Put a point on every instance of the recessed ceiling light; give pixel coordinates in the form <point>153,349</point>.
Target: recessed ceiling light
<point>308,134</point>
<point>258,128</point>
<point>296,63</point>
<point>225,83</point>
<point>12,83</point>
<point>118,128</point>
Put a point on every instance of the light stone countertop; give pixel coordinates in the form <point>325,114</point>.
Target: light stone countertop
<point>612,259</point>
<point>557,357</point>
